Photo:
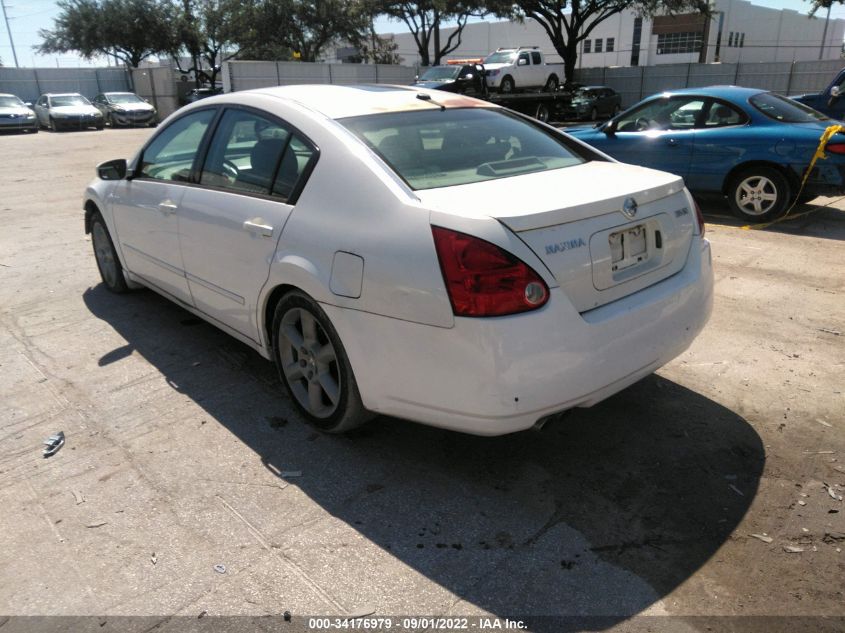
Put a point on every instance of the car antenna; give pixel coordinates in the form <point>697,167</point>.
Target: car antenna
<point>427,97</point>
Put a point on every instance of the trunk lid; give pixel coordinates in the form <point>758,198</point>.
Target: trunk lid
<point>573,220</point>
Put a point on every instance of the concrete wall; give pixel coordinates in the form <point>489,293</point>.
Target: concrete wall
<point>635,83</point>
<point>159,86</point>
<point>30,83</point>
<point>245,75</point>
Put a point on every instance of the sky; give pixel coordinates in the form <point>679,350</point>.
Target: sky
<point>27,17</point>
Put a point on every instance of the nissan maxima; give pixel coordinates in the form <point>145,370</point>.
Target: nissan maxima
<point>67,111</point>
<point>124,109</point>
<point>408,252</point>
<point>15,115</point>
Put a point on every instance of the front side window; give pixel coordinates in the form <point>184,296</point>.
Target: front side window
<point>674,113</point>
<point>431,149</point>
<point>785,110</point>
<point>171,154</point>
<point>523,59</point>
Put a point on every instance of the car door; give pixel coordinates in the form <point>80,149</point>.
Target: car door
<point>659,134</point>
<point>146,207</point>
<point>41,110</point>
<point>722,140</point>
<point>230,224</point>
<point>537,69</point>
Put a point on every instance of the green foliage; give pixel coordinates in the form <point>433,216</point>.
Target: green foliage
<point>424,19</point>
<point>129,30</point>
<point>204,31</point>
<point>568,22</point>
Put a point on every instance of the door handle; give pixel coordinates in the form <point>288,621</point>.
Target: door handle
<point>167,207</point>
<point>256,226</point>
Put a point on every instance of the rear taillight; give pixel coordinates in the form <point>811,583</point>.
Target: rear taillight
<point>835,148</point>
<point>699,217</point>
<point>484,280</point>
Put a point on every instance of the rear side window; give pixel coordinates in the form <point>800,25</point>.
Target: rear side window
<point>434,148</point>
<point>785,110</point>
<point>535,58</point>
<point>171,154</point>
<point>295,163</point>
<point>244,153</point>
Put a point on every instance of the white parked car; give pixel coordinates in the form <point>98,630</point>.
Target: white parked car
<point>409,252</point>
<point>510,69</point>
<point>67,111</point>
<point>15,115</point>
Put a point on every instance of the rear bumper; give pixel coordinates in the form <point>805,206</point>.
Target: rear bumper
<point>826,179</point>
<point>497,376</point>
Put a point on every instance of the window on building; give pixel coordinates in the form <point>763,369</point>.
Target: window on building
<point>678,43</point>
<point>742,40</point>
<point>611,44</point>
<point>587,45</point>
<point>598,45</point>
<point>635,46</point>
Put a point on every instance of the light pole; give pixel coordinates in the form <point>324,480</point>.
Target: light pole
<point>9,31</point>
<point>824,34</point>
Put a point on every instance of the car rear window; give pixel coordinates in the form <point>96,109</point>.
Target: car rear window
<point>785,110</point>
<point>442,148</point>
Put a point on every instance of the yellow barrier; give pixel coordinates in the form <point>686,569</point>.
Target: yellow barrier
<point>829,131</point>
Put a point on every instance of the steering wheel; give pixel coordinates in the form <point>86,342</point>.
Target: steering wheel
<point>230,170</point>
<point>642,124</point>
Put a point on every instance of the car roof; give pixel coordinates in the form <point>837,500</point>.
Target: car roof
<point>118,92</point>
<point>723,92</point>
<point>337,102</point>
<point>7,94</point>
<point>61,94</point>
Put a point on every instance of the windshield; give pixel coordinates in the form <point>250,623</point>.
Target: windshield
<point>503,57</point>
<point>584,93</point>
<point>440,73</point>
<point>785,110</point>
<point>125,98</point>
<point>435,148</point>
<point>68,100</point>
<point>11,102</point>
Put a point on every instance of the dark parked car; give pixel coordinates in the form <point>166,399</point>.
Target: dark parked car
<point>593,102</point>
<point>15,115</point>
<point>750,145</point>
<point>461,78</point>
<point>124,109</point>
<point>201,93</point>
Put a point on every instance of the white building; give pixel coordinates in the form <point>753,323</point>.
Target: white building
<point>738,31</point>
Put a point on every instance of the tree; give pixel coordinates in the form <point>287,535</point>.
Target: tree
<point>568,22</point>
<point>204,30</point>
<point>302,29</point>
<point>129,30</point>
<point>425,18</point>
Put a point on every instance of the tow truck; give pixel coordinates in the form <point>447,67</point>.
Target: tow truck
<point>469,77</point>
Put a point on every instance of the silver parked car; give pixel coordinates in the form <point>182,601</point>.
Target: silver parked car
<point>15,115</point>
<point>67,111</point>
<point>124,109</point>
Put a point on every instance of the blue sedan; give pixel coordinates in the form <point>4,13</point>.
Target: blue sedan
<point>750,145</point>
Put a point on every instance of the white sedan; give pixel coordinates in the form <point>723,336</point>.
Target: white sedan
<point>408,252</point>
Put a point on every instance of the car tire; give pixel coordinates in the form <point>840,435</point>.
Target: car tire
<point>542,113</point>
<point>759,194</point>
<point>552,84</point>
<point>507,86</point>
<point>108,263</point>
<point>313,366</point>
<point>52,125</point>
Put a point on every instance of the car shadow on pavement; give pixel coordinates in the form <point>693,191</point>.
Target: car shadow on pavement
<point>817,218</point>
<point>601,514</point>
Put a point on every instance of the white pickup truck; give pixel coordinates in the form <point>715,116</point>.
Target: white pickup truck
<point>510,69</point>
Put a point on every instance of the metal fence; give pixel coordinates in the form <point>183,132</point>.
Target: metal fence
<point>787,78</point>
<point>30,83</point>
<point>245,75</point>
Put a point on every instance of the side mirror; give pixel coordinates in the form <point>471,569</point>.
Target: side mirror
<point>835,92</point>
<point>609,127</point>
<point>468,76</point>
<point>522,62</point>
<point>112,170</point>
<point>28,104</point>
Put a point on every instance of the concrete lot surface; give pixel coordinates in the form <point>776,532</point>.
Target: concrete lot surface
<point>183,453</point>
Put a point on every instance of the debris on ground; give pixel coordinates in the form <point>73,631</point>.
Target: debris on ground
<point>153,558</point>
<point>54,443</point>
<point>833,537</point>
<point>287,616</point>
<point>829,331</point>
<point>762,537</point>
<point>736,490</point>
<point>220,569</point>
<point>823,423</point>
<point>96,524</point>
<point>820,452</point>
<point>77,496</point>
<point>291,473</point>
<point>202,614</point>
<point>801,502</point>
<point>832,493</point>
<point>791,549</point>
<point>361,613</point>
